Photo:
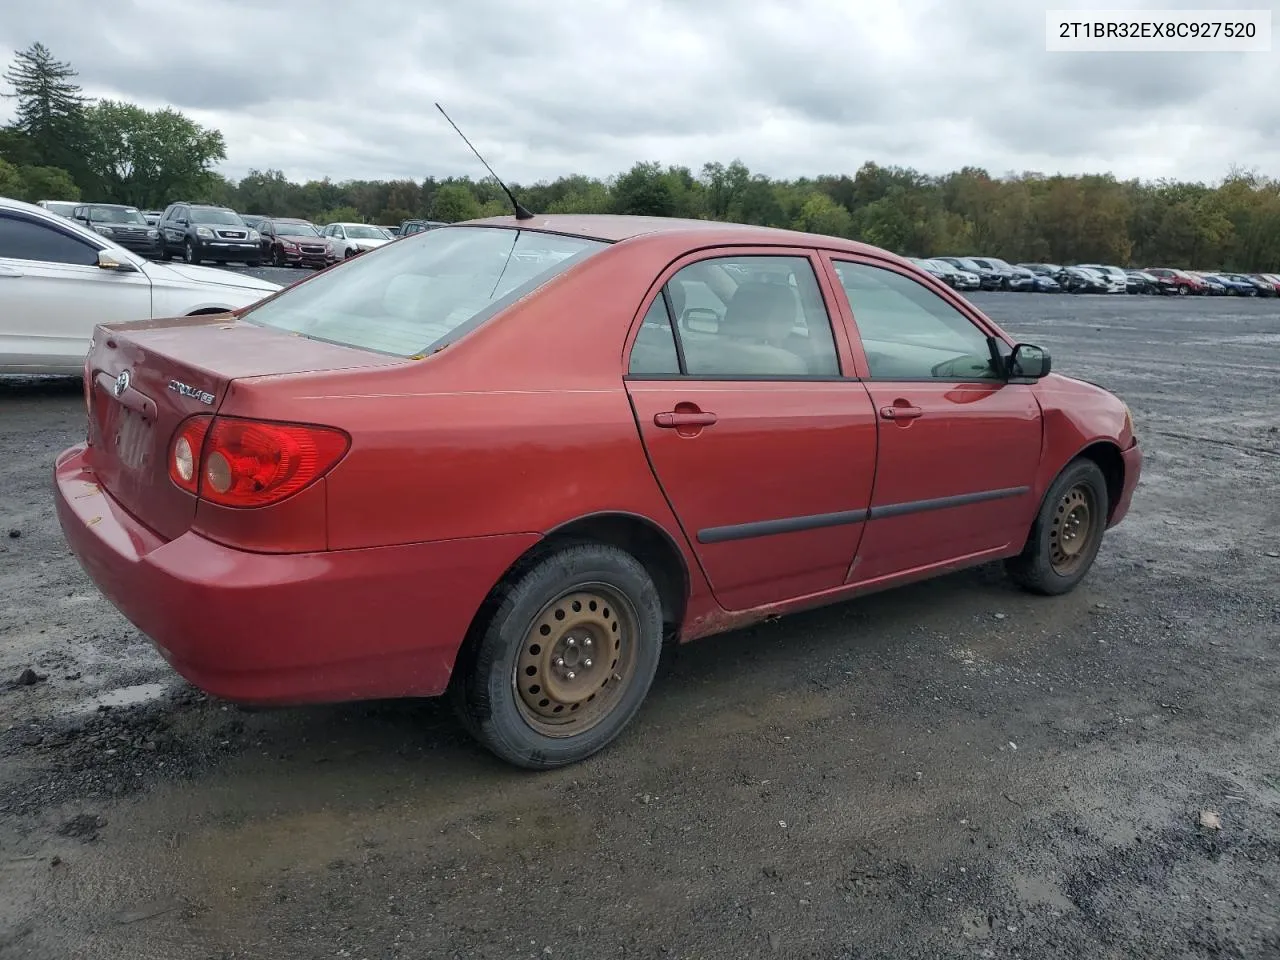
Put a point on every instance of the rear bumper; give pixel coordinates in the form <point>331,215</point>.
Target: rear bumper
<point>284,628</point>
<point>1132,472</point>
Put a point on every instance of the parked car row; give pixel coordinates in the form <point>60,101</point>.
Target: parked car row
<point>200,232</point>
<point>992,273</point>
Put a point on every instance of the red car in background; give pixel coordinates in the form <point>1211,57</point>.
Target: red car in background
<point>510,458</point>
<point>1183,283</point>
<point>295,243</point>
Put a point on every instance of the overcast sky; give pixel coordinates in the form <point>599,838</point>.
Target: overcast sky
<point>551,87</point>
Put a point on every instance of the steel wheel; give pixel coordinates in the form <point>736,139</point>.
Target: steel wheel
<point>1071,530</point>
<point>577,661</point>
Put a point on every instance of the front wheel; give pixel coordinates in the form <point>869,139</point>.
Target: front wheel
<point>277,258</point>
<point>189,253</point>
<point>1183,291</point>
<point>1066,534</point>
<point>565,659</point>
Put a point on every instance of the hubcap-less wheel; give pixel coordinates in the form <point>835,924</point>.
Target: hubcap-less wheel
<point>190,252</point>
<point>577,661</point>
<point>1072,530</point>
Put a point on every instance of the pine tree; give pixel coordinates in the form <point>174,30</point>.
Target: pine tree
<point>50,110</point>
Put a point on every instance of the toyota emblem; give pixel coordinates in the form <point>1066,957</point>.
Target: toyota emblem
<point>121,384</point>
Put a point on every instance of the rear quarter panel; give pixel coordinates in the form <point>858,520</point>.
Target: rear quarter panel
<point>519,427</point>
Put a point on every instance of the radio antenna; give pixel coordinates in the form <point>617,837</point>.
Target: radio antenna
<point>521,212</point>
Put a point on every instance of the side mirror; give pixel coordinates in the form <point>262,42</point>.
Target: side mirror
<point>108,261</point>
<point>1028,362</point>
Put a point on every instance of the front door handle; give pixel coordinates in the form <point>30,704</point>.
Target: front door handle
<point>900,413</point>
<point>675,419</point>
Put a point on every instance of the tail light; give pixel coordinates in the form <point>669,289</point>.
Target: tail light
<point>184,458</point>
<point>236,462</point>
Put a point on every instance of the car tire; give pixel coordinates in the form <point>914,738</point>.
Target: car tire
<point>1183,291</point>
<point>1066,534</point>
<point>527,687</point>
<point>189,254</point>
<point>165,255</point>
<point>277,258</point>
<point>253,264</point>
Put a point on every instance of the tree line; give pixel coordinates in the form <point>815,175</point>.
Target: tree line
<point>61,146</point>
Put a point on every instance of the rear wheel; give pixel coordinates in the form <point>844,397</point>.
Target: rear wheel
<point>1067,532</point>
<point>565,659</point>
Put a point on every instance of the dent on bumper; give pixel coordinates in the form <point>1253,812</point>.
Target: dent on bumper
<point>284,628</point>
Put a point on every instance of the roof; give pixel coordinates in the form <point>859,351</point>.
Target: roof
<point>617,227</point>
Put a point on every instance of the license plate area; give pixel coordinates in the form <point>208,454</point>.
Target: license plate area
<point>132,439</point>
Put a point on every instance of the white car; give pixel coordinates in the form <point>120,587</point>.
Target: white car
<point>62,208</point>
<point>1116,279</point>
<point>59,279</point>
<point>348,239</point>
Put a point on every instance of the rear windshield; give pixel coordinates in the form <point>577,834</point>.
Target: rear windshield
<point>410,298</point>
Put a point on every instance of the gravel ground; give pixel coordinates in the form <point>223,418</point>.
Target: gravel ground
<point>954,769</point>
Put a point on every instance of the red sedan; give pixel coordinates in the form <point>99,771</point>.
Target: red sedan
<point>510,458</point>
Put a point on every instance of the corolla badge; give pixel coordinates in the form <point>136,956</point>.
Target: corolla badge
<point>121,384</point>
<point>187,390</point>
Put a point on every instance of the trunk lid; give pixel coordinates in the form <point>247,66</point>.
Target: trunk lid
<point>143,379</point>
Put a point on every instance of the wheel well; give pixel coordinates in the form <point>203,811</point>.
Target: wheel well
<point>208,311</point>
<point>645,541</point>
<point>641,538</point>
<point>1107,456</point>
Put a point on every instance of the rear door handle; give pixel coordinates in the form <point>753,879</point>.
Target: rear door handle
<point>900,413</point>
<point>672,419</point>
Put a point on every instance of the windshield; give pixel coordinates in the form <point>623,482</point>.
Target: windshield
<point>229,217</point>
<point>415,296</point>
<point>998,263</point>
<point>286,229</point>
<point>115,215</point>
<point>969,265</point>
<point>358,231</point>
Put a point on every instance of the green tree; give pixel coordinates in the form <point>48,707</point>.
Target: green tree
<point>267,193</point>
<point>10,180</point>
<point>50,108</point>
<point>337,215</point>
<point>47,183</point>
<point>453,202</point>
<point>821,214</point>
<point>149,157</point>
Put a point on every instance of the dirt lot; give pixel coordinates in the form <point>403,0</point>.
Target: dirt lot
<point>951,770</point>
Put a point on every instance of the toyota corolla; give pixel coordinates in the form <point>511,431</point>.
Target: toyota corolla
<point>508,459</point>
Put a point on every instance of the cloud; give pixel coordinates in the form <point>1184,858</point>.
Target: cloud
<point>792,87</point>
